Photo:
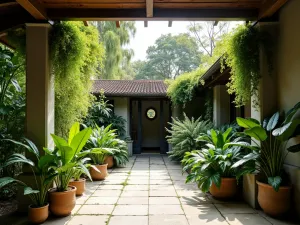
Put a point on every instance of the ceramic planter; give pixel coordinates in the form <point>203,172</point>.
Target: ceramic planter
<point>274,203</point>
<point>62,203</point>
<point>38,215</point>
<point>79,184</point>
<point>99,176</point>
<point>228,188</point>
<point>110,161</point>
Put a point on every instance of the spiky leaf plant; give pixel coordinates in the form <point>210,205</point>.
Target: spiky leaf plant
<point>183,133</point>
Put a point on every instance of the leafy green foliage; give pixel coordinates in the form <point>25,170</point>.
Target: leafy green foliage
<point>273,136</point>
<point>105,139</point>
<point>242,56</point>
<point>182,89</point>
<point>100,114</point>
<point>75,55</point>
<point>182,135</point>
<point>12,113</point>
<point>219,158</point>
<point>169,57</point>
<point>114,40</point>
<point>42,171</point>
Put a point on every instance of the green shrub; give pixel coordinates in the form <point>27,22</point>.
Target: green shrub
<point>182,135</point>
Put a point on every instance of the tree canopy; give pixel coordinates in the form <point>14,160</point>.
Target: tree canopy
<point>170,56</point>
<point>114,40</point>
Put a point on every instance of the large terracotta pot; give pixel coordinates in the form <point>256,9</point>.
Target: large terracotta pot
<point>228,188</point>
<point>274,203</point>
<point>96,175</point>
<point>110,161</point>
<point>62,203</point>
<point>38,215</point>
<point>79,184</point>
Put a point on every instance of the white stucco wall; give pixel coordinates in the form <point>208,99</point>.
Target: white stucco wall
<point>288,82</point>
<point>121,108</point>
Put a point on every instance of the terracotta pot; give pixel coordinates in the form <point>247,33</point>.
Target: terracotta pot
<point>272,202</point>
<point>110,161</point>
<point>96,175</point>
<point>228,188</point>
<point>79,184</point>
<point>62,203</point>
<point>38,215</point>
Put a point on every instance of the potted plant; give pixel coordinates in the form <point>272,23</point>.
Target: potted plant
<point>274,135</point>
<point>43,173</point>
<point>68,155</point>
<point>103,139</point>
<point>215,167</point>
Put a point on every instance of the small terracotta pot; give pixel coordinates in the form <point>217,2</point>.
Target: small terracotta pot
<point>79,184</point>
<point>110,161</point>
<point>227,189</point>
<point>38,215</point>
<point>96,175</point>
<point>274,203</point>
<point>62,203</point>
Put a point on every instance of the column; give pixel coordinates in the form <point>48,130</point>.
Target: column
<point>267,105</point>
<point>221,105</point>
<point>39,86</point>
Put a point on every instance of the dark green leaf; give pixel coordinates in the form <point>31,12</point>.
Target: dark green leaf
<point>273,122</point>
<point>275,182</point>
<point>257,132</point>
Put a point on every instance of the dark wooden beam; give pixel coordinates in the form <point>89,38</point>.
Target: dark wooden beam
<point>118,24</point>
<point>270,7</point>
<point>140,14</point>
<point>86,23</point>
<point>34,8</point>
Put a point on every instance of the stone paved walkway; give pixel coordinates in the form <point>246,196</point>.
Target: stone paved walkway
<point>151,190</point>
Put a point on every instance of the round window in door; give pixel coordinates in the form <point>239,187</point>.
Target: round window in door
<point>151,113</point>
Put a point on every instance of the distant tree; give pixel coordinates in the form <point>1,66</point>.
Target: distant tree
<point>207,34</point>
<point>115,39</point>
<point>169,57</point>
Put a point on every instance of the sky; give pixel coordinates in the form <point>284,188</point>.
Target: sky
<point>146,36</point>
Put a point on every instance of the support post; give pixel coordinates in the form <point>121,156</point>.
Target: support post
<point>221,105</point>
<point>162,144</point>
<point>39,86</point>
<point>140,127</point>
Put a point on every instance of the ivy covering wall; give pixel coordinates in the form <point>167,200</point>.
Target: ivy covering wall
<point>75,56</point>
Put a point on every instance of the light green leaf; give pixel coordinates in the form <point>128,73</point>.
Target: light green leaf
<point>257,132</point>
<point>80,139</point>
<point>246,123</point>
<point>58,141</point>
<point>226,134</point>
<point>214,137</point>
<point>273,122</point>
<point>73,131</point>
<point>29,191</point>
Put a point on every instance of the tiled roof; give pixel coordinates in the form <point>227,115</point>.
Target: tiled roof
<point>141,88</point>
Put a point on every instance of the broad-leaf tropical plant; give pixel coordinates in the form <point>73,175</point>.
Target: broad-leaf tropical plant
<point>273,136</point>
<point>69,155</point>
<point>217,159</point>
<point>106,139</point>
<point>42,171</point>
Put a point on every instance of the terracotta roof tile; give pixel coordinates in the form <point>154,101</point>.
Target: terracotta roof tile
<point>150,88</point>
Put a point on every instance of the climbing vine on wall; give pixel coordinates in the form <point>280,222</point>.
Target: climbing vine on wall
<point>243,57</point>
<point>75,56</point>
<point>182,89</point>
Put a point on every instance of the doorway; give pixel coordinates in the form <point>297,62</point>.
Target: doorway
<point>149,117</point>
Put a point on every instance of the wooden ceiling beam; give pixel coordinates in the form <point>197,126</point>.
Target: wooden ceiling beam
<point>269,7</point>
<point>34,8</point>
<point>158,14</point>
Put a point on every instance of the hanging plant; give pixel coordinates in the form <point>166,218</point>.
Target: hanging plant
<point>243,57</point>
